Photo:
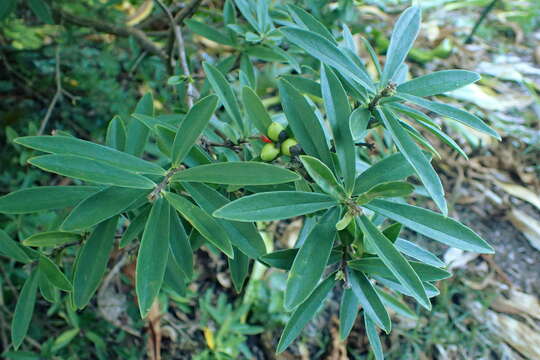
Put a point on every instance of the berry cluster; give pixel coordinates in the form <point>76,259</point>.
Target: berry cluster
<point>277,142</point>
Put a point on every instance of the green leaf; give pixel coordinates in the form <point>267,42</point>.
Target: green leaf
<point>348,311</point>
<point>438,82</point>
<point>338,112</point>
<point>391,168</point>
<point>405,32</point>
<point>322,176</point>
<point>310,262</point>
<point>204,223</point>
<point>237,173</point>
<point>358,123</point>
<point>101,206</point>
<point>51,238</point>
<point>47,290</point>
<point>328,53</point>
<point>41,198</point>
<point>304,123</point>
<point>416,158</point>
<point>454,113</point>
<point>309,22</point>
<point>135,227</point>
<point>192,127</point>
<point>153,255</point>
<point>375,266</point>
<point>137,133</point>
<point>283,259</point>
<point>116,134</point>
<point>304,85</point>
<point>174,276</point>
<point>239,267</point>
<point>243,236</point>
<point>24,310</point>
<point>225,93</point>
<point>67,145</point>
<point>397,305</point>
<point>180,246</point>
<point>90,170</point>
<point>433,225</point>
<point>372,55</point>
<point>6,8</point>
<point>397,264</point>
<point>388,189</point>
<point>369,299</point>
<point>91,262</point>
<point>275,205</point>
<point>54,274</point>
<point>41,9</point>
<point>373,337</point>
<point>209,32</point>
<point>416,252</point>
<point>255,110</point>
<point>12,249</point>
<point>303,314</point>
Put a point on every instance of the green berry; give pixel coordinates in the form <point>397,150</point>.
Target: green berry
<point>274,130</point>
<point>269,152</point>
<point>286,146</point>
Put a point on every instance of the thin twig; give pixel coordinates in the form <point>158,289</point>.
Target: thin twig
<point>57,94</point>
<point>480,20</point>
<point>192,92</point>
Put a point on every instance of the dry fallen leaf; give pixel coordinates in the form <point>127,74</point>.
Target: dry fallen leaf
<point>529,226</point>
<point>520,192</point>
<point>518,335</point>
<point>518,303</point>
<point>457,259</point>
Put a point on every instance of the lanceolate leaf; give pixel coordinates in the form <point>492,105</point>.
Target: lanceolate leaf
<point>433,225</point>
<point>237,173</point>
<point>309,22</point>
<point>322,176</point>
<point>283,259</point>
<point>239,267</point>
<point>275,205</point>
<point>416,158</point>
<point>394,261</point>
<point>116,134</point>
<point>41,198</point>
<point>51,238</point>
<point>369,299</point>
<point>454,113</point>
<point>225,93</point>
<point>391,168</point>
<point>438,82</point>
<point>180,246</point>
<point>137,133</point>
<point>54,274</point>
<point>416,252</point>
<point>375,266</point>
<point>386,190</point>
<point>304,313</point>
<point>204,223</point>
<point>255,110</point>
<point>91,262</point>
<point>243,236</point>
<point>191,127</point>
<point>153,255</point>
<point>338,111</point>
<point>328,53</point>
<point>209,32</point>
<point>403,36</point>
<point>373,337</point>
<point>101,206</point>
<point>90,170</point>
<point>348,311</point>
<point>304,124</point>
<point>24,310</point>
<point>12,249</point>
<point>135,227</point>
<point>310,262</point>
<point>67,145</point>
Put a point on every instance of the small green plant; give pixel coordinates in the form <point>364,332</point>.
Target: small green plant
<point>220,191</point>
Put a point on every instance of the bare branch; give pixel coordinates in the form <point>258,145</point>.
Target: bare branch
<point>57,94</point>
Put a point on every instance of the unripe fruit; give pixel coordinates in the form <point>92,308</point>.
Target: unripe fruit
<point>274,130</point>
<point>269,152</point>
<point>286,146</point>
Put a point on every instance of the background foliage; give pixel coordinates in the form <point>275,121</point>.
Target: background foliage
<point>102,75</point>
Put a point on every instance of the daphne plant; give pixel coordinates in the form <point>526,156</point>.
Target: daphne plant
<point>210,181</point>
